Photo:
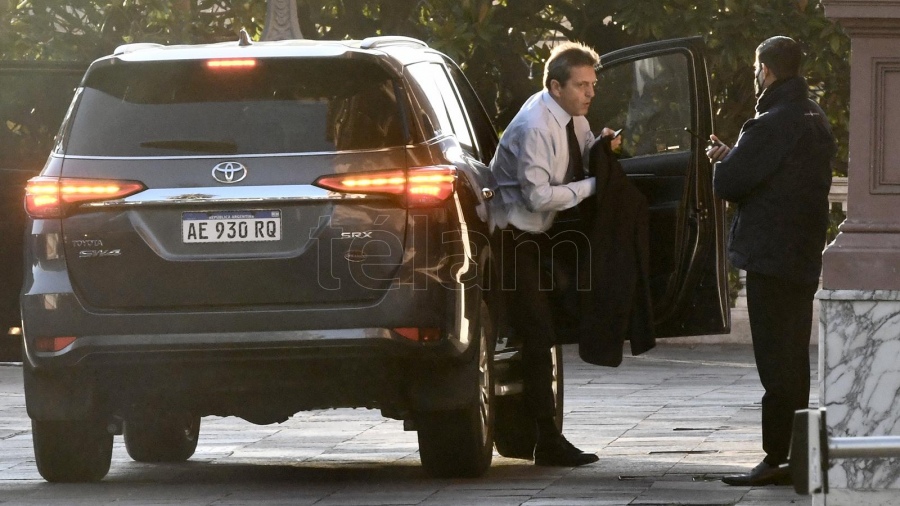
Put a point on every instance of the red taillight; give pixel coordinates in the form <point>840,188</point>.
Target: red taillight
<point>49,197</point>
<point>420,186</point>
<point>52,343</point>
<point>231,63</point>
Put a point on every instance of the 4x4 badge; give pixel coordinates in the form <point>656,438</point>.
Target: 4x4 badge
<point>229,172</point>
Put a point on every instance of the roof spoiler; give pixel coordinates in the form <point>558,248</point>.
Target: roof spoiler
<point>391,40</point>
<point>136,46</point>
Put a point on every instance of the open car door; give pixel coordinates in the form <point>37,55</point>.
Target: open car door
<point>655,92</point>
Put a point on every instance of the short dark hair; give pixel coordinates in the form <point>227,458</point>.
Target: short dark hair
<point>781,55</point>
<point>564,58</point>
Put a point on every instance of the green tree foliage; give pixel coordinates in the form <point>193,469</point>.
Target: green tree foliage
<point>732,30</point>
<point>82,30</point>
<point>501,44</point>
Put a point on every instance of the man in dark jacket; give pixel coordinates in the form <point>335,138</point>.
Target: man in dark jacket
<point>778,174</point>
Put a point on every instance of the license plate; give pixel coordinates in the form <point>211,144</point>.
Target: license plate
<point>230,226</point>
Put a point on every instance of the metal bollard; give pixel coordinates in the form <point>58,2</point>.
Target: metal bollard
<point>811,450</point>
<point>808,438</point>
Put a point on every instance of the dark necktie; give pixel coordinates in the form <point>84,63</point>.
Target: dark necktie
<point>575,170</point>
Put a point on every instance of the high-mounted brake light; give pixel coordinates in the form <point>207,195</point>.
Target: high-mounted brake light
<point>230,63</point>
<point>50,197</point>
<point>420,186</point>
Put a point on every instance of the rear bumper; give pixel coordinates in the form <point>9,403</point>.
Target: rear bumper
<point>261,364</point>
<point>262,379</point>
<point>278,346</point>
<point>263,331</point>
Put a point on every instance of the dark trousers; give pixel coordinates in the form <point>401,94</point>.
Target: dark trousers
<point>780,314</point>
<point>539,281</point>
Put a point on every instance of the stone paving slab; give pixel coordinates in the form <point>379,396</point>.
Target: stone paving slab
<point>667,426</point>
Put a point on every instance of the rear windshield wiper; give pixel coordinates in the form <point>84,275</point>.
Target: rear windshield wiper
<point>226,148</point>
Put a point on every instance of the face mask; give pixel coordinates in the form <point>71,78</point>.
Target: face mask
<point>758,82</point>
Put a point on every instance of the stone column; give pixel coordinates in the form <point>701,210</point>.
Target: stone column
<point>859,321</point>
<point>281,21</point>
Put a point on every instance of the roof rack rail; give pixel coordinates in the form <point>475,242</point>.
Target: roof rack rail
<point>390,40</point>
<point>135,46</point>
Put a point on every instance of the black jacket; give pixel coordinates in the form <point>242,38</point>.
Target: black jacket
<point>617,307</point>
<point>779,175</point>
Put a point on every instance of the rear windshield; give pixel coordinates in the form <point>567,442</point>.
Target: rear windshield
<point>274,106</point>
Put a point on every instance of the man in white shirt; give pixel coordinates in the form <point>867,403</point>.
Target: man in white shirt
<point>540,170</point>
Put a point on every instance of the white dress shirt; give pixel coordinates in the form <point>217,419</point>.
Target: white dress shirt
<point>531,162</point>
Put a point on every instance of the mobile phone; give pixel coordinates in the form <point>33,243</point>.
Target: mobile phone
<point>709,142</point>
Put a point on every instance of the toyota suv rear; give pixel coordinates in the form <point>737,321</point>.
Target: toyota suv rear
<point>255,229</point>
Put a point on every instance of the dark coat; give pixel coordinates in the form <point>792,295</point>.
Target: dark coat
<point>779,175</point>
<point>617,306</point>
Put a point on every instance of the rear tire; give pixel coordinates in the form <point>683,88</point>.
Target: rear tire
<point>515,433</point>
<point>459,443</point>
<point>72,451</point>
<point>168,438</point>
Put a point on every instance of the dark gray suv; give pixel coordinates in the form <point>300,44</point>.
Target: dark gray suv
<point>255,229</point>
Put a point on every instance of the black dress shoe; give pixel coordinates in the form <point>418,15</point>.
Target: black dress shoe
<point>560,452</point>
<point>762,474</point>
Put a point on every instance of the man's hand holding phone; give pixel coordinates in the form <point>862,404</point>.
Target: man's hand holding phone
<point>716,150</point>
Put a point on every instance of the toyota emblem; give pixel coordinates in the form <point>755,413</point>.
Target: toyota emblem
<point>229,172</point>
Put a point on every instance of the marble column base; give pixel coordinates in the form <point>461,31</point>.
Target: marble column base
<point>845,497</point>
<point>859,371</point>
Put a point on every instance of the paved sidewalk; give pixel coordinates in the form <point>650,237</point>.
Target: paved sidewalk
<point>667,426</point>
<point>670,424</point>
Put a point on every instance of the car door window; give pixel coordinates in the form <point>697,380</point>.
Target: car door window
<point>484,132</point>
<point>650,100</point>
<point>443,99</point>
<point>653,92</point>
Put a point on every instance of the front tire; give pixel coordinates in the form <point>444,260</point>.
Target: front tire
<point>72,451</point>
<point>168,438</point>
<point>459,443</point>
<point>515,433</point>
